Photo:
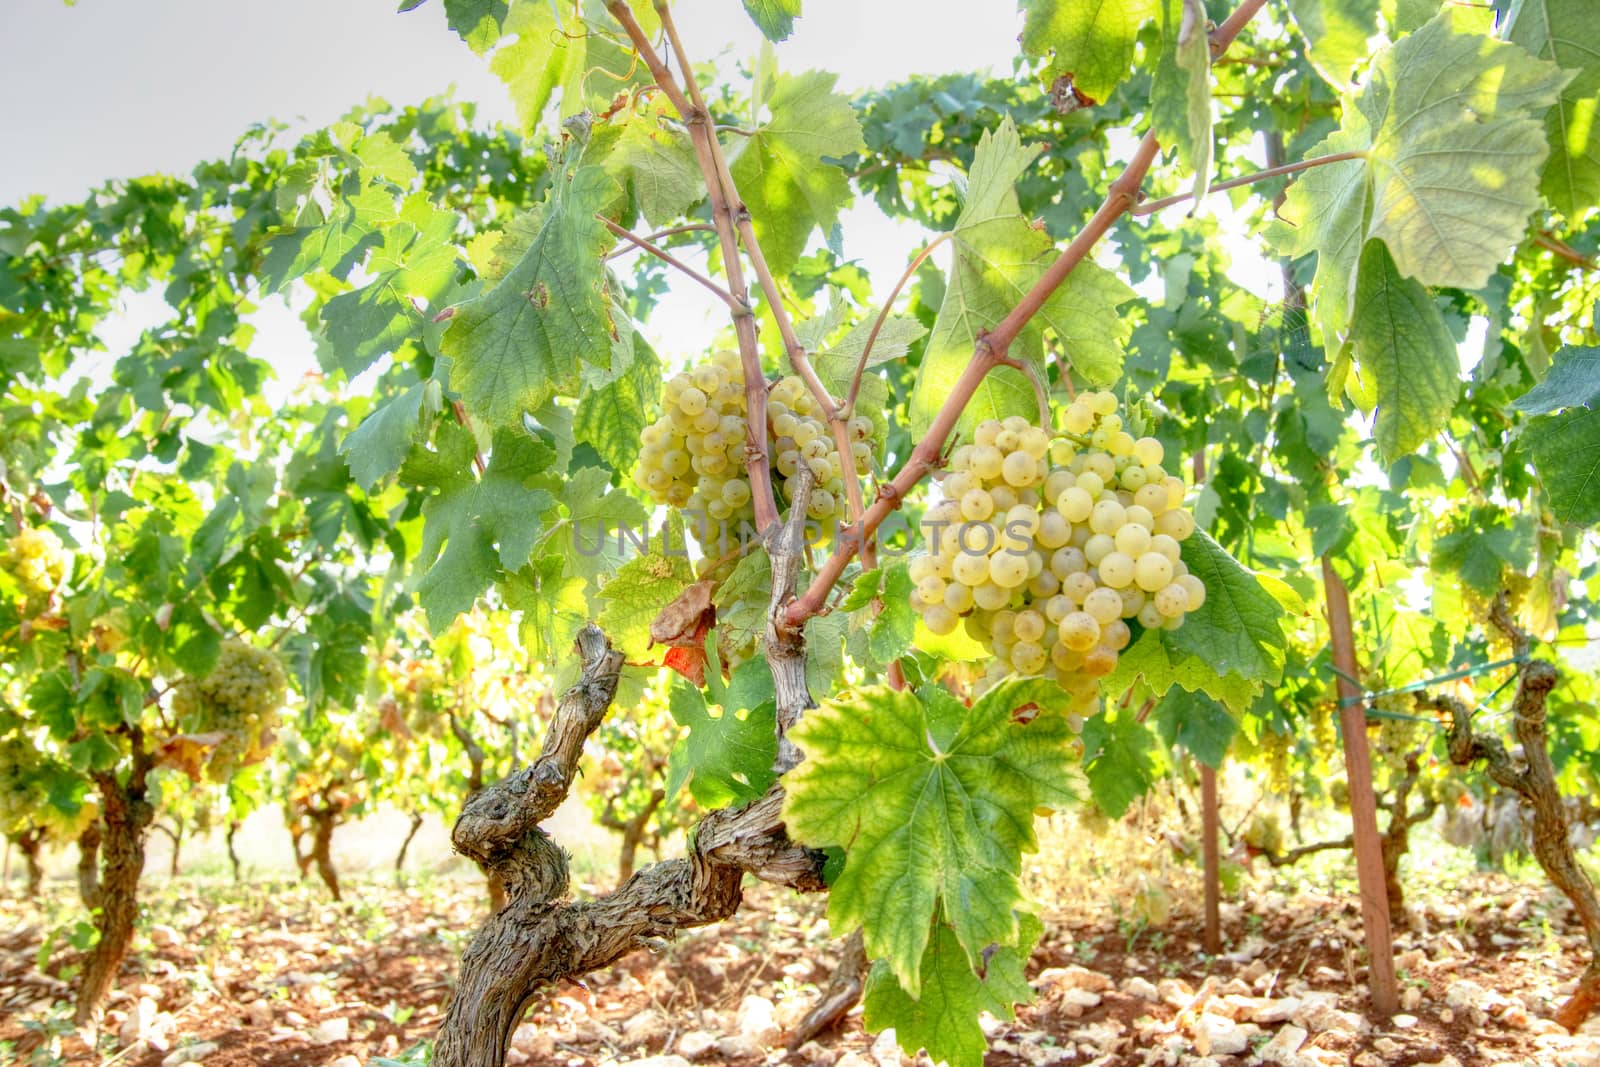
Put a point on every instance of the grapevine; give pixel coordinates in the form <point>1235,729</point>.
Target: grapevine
<point>1054,551</point>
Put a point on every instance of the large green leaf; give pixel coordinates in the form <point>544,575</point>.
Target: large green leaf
<point>1238,630</point>
<point>1452,126</point>
<point>588,60</point>
<point>932,802</point>
<point>999,255</point>
<point>523,341</point>
<point>781,169</point>
<point>1563,31</point>
<point>376,448</point>
<point>1400,341</point>
<point>1566,451</point>
<point>1199,724</point>
<point>1090,41</point>
<point>1180,88</point>
<point>654,159</point>
<point>475,527</point>
<point>944,1018</point>
<point>1119,755</point>
<point>775,18</point>
<point>1337,32</point>
<point>725,758</point>
<point>612,418</point>
<point>1574,380</point>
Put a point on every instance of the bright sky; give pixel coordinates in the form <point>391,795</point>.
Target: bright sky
<point>130,87</point>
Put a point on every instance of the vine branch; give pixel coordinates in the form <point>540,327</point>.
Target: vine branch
<point>1153,206</point>
<point>666,257</point>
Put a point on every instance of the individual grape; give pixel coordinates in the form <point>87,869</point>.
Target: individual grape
<point>958,597</point>
<point>987,461</point>
<point>1075,504</point>
<point>1177,525</point>
<point>1132,540</point>
<point>1078,418</point>
<point>1139,515</point>
<point>1028,658</point>
<point>1115,635</point>
<point>1091,483</point>
<point>986,432</point>
<point>1078,631</point>
<point>940,619</point>
<point>976,505</point>
<point>1029,626</point>
<point>1150,616</point>
<point>1148,451</point>
<point>1020,469</point>
<point>1152,497</point>
<point>692,401</point>
<point>1099,661</point>
<point>1078,586</point>
<point>1054,530</point>
<point>1008,569</point>
<point>1036,442</point>
<point>1065,561</point>
<point>1117,569</point>
<point>1171,601</point>
<point>970,568</point>
<point>931,589</point>
<point>1164,544</point>
<point>1107,517</point>
<point>1104,604</point>
<point>1196,590</point>
<point>1097,548</point>
<point>1153,571</point>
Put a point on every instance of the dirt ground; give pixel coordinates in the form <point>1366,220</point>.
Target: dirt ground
<point>272,974</point>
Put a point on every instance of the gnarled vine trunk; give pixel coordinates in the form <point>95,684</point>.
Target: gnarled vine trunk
<point>405,846</point>
<point>323,821</point>
<point>233,855</point>
<point>89,865</point>
<point>31,843</point>
<point>126,815</point>
<point>1535,781</point>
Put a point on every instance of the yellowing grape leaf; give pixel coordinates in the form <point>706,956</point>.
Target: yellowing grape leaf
<point>933,804</point>
<point>944,1019</point>
<point>998,257</point>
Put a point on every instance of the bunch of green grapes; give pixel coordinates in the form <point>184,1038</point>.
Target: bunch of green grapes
<point>1397,738</point>
<point>36,560</point>
<point>1273,747</point>
<point>31,795</point>
<point>1052,549</point>
<point>693,456</point>
<point>241,698</point>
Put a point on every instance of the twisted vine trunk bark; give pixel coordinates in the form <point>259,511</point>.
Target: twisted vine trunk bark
<point>539,937</point>
<point>324,820</point>
<point>30,843</point>
<point>89,865</point>
<point>1535,782</point>
<point>126,814</point>
<point>233,855</point>
<point>405,846</point>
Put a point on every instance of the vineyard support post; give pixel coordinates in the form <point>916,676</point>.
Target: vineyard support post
<point>1363,803</point>
<point>1213,866</point>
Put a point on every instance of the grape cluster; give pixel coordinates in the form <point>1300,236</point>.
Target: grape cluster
<point>693,456</point>
<point>30,794</point>
<point>241,698</point>
<point>1051,548</point>
<point>37,560</point>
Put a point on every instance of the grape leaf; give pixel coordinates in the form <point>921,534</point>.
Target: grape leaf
<point>1238,629</point>
<point>1201,725</point>
<point>1574,380</point>
<point>998,257</point>
<point>1400,342</point>
<point>774,18</point>
<point>475,526</point>
<point>1565,448</point>
<point>824,650</point>
<point>636,594</point>
<point>1090,41</point>
<point>944,1019</point>
<point>782,169</point>
<point>724,759</point>
<point>589,60</point>
<point>1451,124</point>
<point>887,635</point>
<point>1482,548</point>
<point>931,801</point>
<point>611,418</point>
<point>412,269</point>
<point>1336,33</point>
<point>1119,756</point>
<point>1180,88</point>
<point>656,162</point>
<point>376,449</point>
<point>1562,31</point>
<point>604,522</point>
<point>477,21</point>
<point>520,343</point>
